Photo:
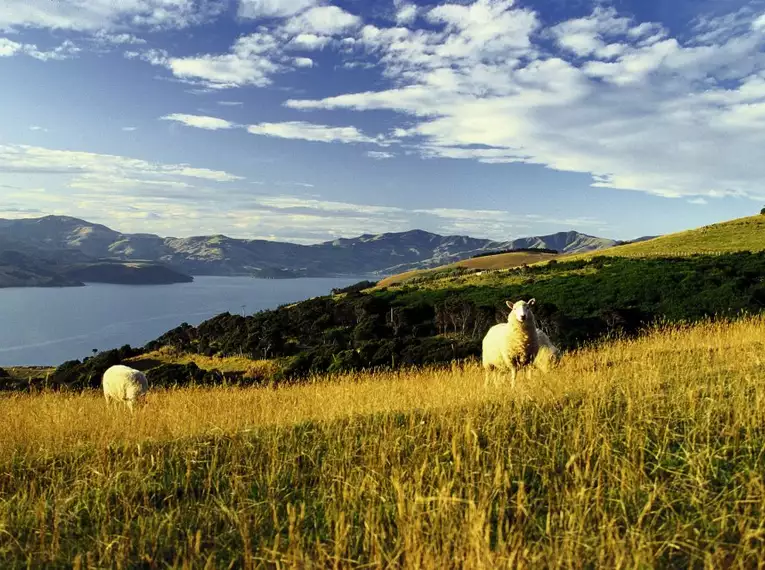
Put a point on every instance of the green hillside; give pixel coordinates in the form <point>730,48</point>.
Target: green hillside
<point>742,234</point>
<point>490,262</point>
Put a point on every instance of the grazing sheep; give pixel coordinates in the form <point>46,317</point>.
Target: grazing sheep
<point>124,384</point>
<point>548,354</point>
<point>514,344</point>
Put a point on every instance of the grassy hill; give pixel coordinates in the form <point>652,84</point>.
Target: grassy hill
<point>643,453</point>
<point>488,262</point>
<point>742,234</point>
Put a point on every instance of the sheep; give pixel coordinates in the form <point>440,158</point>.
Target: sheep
<point>513,344</point>
<point>548,354</point>
<point>124,384</point>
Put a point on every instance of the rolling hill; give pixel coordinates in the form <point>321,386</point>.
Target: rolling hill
<point>379,254</point>
<point>741,234</point>
<point>489,262</point>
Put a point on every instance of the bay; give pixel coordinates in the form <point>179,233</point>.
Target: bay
<point>45,327</point>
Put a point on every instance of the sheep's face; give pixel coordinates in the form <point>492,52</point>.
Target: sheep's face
<point>520,311</point>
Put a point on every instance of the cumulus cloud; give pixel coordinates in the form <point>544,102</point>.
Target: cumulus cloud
<point>322,20</point>
<point>303,62</point>
<point>406,13</point>
<point>273,8</point>
<point>65,50</point>
<point>250,62</point>
<point>199,121</point>
<point>96,15</point>
<point>254,59</point>
<point>300,130</point>
<point>308,42</point>
<point>621,100</point>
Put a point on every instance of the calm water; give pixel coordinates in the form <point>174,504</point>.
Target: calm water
<point>50,326</point>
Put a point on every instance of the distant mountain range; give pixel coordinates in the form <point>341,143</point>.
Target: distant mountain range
<point>60,250</point>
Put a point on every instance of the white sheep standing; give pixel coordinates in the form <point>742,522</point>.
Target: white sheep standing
<point>124,384</point>
<point>548,354</point>
<point>514,344</point>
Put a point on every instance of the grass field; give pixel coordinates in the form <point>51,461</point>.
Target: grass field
<point>742,234</point>
<point>490,262</point>
<point>641,453</point>
<point>167,355</point>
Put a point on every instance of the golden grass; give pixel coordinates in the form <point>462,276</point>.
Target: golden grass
<point>29,372</point>
<point>226,364</point>
<point>641,453</point>
<point>489,262</point>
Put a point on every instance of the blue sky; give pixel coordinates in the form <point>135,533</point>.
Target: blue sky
<point>305,120</point>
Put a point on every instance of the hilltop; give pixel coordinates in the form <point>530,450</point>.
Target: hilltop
<point>506,260</point>
<point>368,254</point>
<point>741,234</point>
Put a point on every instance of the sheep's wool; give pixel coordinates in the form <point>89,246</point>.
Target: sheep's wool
<point>513,344</point>
<point>124,384</point>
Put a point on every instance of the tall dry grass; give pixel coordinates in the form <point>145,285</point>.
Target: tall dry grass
<point>644,453</point>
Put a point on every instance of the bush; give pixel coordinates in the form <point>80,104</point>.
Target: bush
<point>355,288</point>
<point>88,373</point>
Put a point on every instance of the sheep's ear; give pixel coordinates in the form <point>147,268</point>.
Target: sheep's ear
<point>531,301</point>
<point>509,304</point>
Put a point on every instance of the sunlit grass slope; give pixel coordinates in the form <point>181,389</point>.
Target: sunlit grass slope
<point>742,234</point>
<point>167,355</point>
<point>641,453</point>
<point>489,262</point>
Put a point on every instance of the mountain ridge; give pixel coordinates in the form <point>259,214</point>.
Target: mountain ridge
<point>368,254</point>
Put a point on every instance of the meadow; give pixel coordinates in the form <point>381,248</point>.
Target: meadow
<point>634,453</point>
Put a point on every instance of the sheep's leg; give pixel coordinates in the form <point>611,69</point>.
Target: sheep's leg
<point>513,373</point>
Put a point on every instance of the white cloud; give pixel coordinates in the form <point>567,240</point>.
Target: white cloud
<point>230,103</point>
<point>308,42</point>
<point>303,62</point>
<point>698,201</point>
<point>250,62</point>
<point>29,160</point>
<point>129,129</point>
<point>95,15</point>
<point>322,20</point>
<point>312,132</point>
<point>406,13</point>
<point>10,48</point>
<point>379,155</point>
<point>199,121</point>
<point>117,39</point>
<point>618,99</point>
<point>273,8</point>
